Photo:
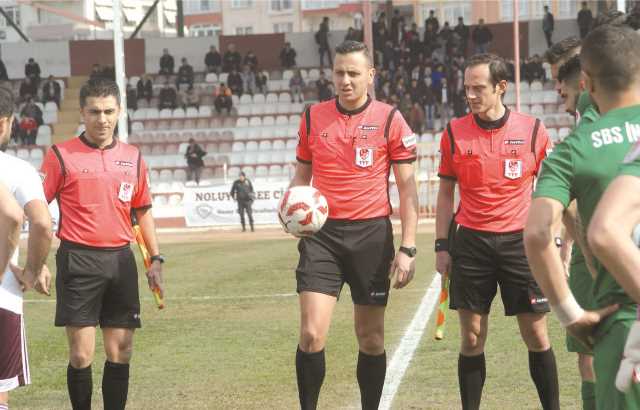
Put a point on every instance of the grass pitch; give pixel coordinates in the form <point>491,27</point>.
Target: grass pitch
<point>228,336</point>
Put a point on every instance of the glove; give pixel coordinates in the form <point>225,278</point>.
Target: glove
<point>629,371</point>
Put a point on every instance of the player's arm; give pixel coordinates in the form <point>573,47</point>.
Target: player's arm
<point>610,233</point>
<point>35,274</point>
<point>302,175</point>
<point>147,225</point>
<point>303,171</point>
<point>444,204</point>
<point>10,222</point>
<point>404,265</point>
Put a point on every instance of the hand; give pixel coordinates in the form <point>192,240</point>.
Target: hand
<point>443,262</point>
<point>43,282</point>
<point>629,371</point>
<point>26,278</point>
<point>154,277</point>
<point>402,270</point>
<point>583,329</point>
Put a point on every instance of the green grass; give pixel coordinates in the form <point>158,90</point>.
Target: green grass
<point>227,350</point>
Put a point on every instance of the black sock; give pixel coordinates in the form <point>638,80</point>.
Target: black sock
<point>115,385</point>
<point>310,368</point>
<point>472,371</point>
<point>80,386</point>
<point>542,366</point>
<point>371,372</point>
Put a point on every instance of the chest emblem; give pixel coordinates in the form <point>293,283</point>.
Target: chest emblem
<point>126,191</point>
<point>364,157</point>
<point>513,168</point>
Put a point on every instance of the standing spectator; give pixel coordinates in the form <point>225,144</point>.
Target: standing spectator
<point>231,59</point>
<point>185,74</point>
<point>482,37</point>
<point>251,60</point>
<point>195,164</point>
<point>547,25</point>
<point>27,89</point>
<point>445,103</point>
<point>132,100</point>
<point>462,30</point>
<point>395,26</point>
<point>242,193</point>
<point>3,72</point>
<point>324,88</point>
<point>262,82</point>
<point>248,79</point>
<point>432,22</point>
<point>296,84</point>
<point>168,98</point>
<point>167,63</point>
<point>429,102</point>
<point>32,70</point>
<point>235,82</point>
<point>288,56</point>
<point>213,60</point>
<point>145,88</point>
<point>51,91</point>
<point>585,20</point>
<point>322,39</point>
<point>223,99</point>
<point>416,118</point>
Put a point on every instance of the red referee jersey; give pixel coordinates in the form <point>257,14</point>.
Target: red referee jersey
<point>495,165</point>
<point>96,190</point>
<point>351,153</point>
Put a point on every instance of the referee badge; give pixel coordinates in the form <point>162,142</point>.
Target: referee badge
<point>513,168</point>
<point>126,191</point>
<point>364,157</point>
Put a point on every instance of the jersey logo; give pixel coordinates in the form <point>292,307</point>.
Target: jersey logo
<point>364,157</point>
<point>124,163</point>
<point>368,127</point>
<point>126,192</point>
<point>409,140</point>
<point>513,168</point>
<point>513,142</point>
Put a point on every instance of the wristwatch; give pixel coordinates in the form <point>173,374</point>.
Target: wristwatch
<point>159,257</point>
<point>409,251</point>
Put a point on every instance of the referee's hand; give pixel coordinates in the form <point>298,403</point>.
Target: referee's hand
<point>584,328</point>
<point>443,262</point>
<point>154,277</point>
<point>402,270</point>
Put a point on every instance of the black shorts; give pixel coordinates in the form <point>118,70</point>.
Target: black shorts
<point>96,286</point>
<point>357,252</point>
<point>483,260</point>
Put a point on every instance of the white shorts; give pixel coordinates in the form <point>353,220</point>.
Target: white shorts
<point>14,361</point>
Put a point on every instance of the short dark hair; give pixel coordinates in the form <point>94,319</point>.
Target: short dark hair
<point>562,50</point>
<point>7,102</point>
<point>99,87</point>
<point>351,46</point>
<point>611,56</point>
<point>498,70</point>
<point>570,69</point>
<point>611,17</point>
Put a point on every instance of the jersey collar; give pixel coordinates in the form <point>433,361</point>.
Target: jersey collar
<point>343,110</point>
<point>493,125</point>
<point>94,146</point>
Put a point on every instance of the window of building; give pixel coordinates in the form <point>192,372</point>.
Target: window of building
<point>568,8</point>
<point>452,10</point>
<point>241,31</point>
<point>283,27</point>
<point>280,5</point>
<point>204,30</point>
<point>14,14</point>
<point>320,4</point>
<point>241,4</point>
<point>537,8</point>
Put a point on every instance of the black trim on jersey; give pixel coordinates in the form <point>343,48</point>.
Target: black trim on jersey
<point>139,160</point>
<point>449,177</point>
<point>534,137</point>
<point>84,139</point>
<point>492,125</point>
<point>142,208</point>
<point>450,134</point>
<point>343,110</point>
<point>304,161</point>
<point>307,120</point>
<point>56,151</point>
<point>404,161</point>
<point>387,125</point>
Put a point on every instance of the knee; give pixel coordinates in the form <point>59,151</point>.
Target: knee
<point>79,358</point>
<point>536,338</point>
<point>370,340</point>
<point>311,340</point>
<point>119,351</point>
<point>472,342</point>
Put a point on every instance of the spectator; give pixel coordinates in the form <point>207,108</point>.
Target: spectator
<point>324,88</point>
<point>462,31</point>
<point>223,99</point>
<point>213,60</point>
<point>32,70</point>
<point>195,164</point>
<point>351,35</point>
<point>30,120</point>
<point>28,89</point>
<point>167,63</point>
<point>416,118</point>
<point>432,22</point>
<point>296,84</point>
<point>51,91</point>
<point>482,37</point>
<point>248,79</point>
<point>288,56</point>
<point>261,82</point>
<point>242,192</point>
<point>190,98</point>
<point>96,72</point>
<point>3,72</point>
<point>444,105</point>
<point>132,100</point>
<point>251,60</point>
<point>145,88</point>
<point>322,39</point>
<point>429,102</point>
<point>585,20</point>
<point>185,74</point>
<point>445,33</point>
<point>235,82</point>
<point>547,25</point>
<point>231,59</point>
<point>395,26</point>
<point>109,72</point>
<point>168,98</point>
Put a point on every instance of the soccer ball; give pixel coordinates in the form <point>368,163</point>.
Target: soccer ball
<point>302,211</point>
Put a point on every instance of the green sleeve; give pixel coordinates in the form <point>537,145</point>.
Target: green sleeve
<point>584,102</point>
<point>589,115</point>
<point>631,163</point>
<point>556,177</point>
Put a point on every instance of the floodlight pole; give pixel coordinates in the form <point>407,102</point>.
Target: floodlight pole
<point>367,26</point>
<point>516,51</point>
<point>121,78</point>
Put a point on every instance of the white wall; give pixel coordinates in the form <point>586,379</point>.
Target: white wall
<point>53,57</point>
<point>307,49</point>
<point>193,48</point>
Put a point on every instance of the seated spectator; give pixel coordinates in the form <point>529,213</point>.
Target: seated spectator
<point>288,56</point>
<point>261,82</point>
<point>235,82</point>
<point>132,98</point>
<point>3,72</point>
<point>248,80</point>
<point>324,88</point>
<point>213,60</point>
<point>251,60</point>
<point>96,72</point>
<point>30,120</point>
<point>145,88</point>
<point>51,91</point>
<point>223,99</point>
<point>231,59</point>
<point>296,84</point>
<point>27,89</point>
<point>32,70</point>
<point>168,97</point>
<point>190,98</point>
<point>185,74</point>
<point>166,62</point>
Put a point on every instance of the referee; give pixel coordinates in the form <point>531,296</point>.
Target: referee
<point>98,181</point>
<point>349,145</point>
<point>493,154</point>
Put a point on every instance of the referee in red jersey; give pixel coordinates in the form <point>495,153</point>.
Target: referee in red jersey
<point>97,181</point>
<point>349,145</point>
<point>493,154</point>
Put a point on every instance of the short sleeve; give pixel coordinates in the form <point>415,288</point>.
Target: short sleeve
<point>631,163</point>
<point>30,187</point>
<point>52,175</point>
<point>303,153</point>
<point>543,147</point>
<point>402,142</point>
<point>142,195</point>
<point>446,158</point>
<point>557,173</point>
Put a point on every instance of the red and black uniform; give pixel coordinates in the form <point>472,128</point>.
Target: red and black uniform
<point>351,153</point>
<point>96,190</point>
<point>494,164</point>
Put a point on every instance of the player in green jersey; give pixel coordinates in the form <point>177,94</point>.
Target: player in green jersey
<point>581,167</point>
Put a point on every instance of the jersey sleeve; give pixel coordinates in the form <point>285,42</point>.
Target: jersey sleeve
<point>30,187</point>
<point>557,174</point>
<point>402,141</point>
<point>303,152</point>
<point>52,175</point>
<point>543,147</point>
<point>142,195</point>
<point>446,158</point>
<point>631,163</point>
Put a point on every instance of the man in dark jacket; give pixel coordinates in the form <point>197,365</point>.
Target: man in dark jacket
<point>585,20</point>
<point>242,192</point>
<point>547,25</point>
<point>51,91</point>
<point>481,36</point>
<point>194,156</point>
<point>213,60</point>
<point>167,63</point>
<point>322,39</point>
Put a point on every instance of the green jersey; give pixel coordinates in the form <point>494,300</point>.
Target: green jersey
<point>581,167</point>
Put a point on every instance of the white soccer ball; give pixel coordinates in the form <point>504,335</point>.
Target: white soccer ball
<point>302,211</point>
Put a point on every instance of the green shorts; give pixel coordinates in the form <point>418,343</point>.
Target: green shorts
<point>610,341</point>
<point>580,283</point>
